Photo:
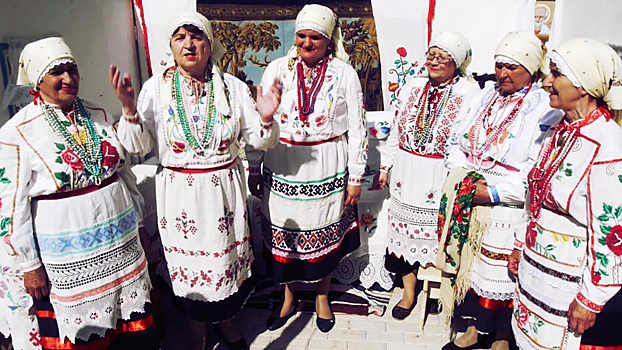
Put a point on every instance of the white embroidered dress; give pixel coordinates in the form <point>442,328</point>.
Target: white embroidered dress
<point>88,243</point>
<point>574,250</point>
<point>417,167</point>
<point>201,198</point>
<point>306,174</point>
<point>504,164</point>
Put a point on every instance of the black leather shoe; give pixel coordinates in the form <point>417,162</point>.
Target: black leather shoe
<point>274,323</point>
<point>400,313</point>
<point>323,324</point>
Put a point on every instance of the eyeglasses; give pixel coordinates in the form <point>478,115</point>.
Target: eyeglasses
<point>440,59</point>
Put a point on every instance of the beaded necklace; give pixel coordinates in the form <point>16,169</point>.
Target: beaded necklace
<point>492,133</point>
<point>191,132</point>
<point>551,158</point>
<point>306,101</point>
<point>90,153</point>
<point>429,108</point>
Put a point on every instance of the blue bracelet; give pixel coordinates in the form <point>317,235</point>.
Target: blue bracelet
<point>494,193</point>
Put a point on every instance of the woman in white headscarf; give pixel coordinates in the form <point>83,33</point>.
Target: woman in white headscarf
<point>70,212</point>
<point>489,156</point>
<point>428,108</point>
<point>570,258</point>
<point>194,116</point>
<point>312,178</point>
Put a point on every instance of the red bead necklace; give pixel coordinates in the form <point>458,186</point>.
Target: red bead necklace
<point>306,101</point>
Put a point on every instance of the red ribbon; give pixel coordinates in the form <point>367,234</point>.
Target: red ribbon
<point>36,96</point>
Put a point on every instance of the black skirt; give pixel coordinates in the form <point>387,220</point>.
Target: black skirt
<point>206,311</point>
<point>492,318</point>
<point>293,270</point>
<point>606,330</point>
<point>135,333</point>
<point>399,265</point>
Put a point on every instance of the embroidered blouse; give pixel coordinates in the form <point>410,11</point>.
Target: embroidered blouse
<point>587,188</point>
<point>515,149</point>
<point>160,125</point>
<point>449,102</point>
<point>35,162</point>
<point>338,110</point>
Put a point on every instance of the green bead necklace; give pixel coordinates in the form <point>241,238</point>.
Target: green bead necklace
<point>91,152</point>
<point>190,129</point>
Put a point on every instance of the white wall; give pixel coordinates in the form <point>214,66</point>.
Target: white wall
<point>98,31</point>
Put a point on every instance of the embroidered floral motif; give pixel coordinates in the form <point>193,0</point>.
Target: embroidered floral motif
<point>402,70</point>
<point>215,180</point>
<point>529,322</point>
<point>5,222</point>
<point>35,337</point>
<point>110,154</point>
<point>208,278</point>
<point>185,225</point>
<point>163,223</point>
<point>202,253</point>
<point>226,221</point>
<point>190,180</point>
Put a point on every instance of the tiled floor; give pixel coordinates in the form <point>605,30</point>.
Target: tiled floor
<point>350,332</point>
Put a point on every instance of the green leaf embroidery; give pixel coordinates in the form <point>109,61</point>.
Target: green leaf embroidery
<point>620,178</point>
<point>5,181</point>
<point>607,208</point>
<point>4,224</point>
<point>618,212</point>
<point>603,272</point>
<point>603,217</point>
<point>549,247</point>
<point>3,233</point>
<point>602,240</point>
<point>576,242</point>
<point>568,172</point>
<point>605,229</point>
<point>104,133</point>
<point>59,160</point>
<point>2,171</point>
<point>62,176</point>
<point>60,146</point>
<point>603,259</point>
<point>539,229</point>
<point>66,123</point>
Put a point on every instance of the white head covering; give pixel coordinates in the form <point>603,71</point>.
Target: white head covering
<point>217,51</point>
<point>595,66</point>
<point>324,21</point>
<point>39,57</point>
<point>457,47</point>
<point>524,48</point>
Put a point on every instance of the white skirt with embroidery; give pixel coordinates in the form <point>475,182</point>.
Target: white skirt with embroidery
<point>93,258</point>
<point>203,225</point>
<point>416,183</point>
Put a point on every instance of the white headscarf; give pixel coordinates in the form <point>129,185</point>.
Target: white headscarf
<point>524,48</point>
<point>324,21</point>
<point>457,47</point>
<point>39,57</point>
<point>217,51</point>
<point>595,66</point>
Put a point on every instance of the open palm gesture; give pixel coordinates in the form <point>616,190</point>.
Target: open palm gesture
<point>123,89</point>
<point>267,105</point>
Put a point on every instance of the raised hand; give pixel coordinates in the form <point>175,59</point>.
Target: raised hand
<point>267,105</point>
<point>123,89</point>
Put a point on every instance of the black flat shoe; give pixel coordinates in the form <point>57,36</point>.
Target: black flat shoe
<point>400,313</point>
<point>323,324</point>
<point>274,323</point>
<point>239,344</point>
<point>483,342</point>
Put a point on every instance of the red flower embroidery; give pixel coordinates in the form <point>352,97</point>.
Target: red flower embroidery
<point>373,132</point>
<point>402,52</point>
<point>530,239</point>
<point>614,240</point>
<point>110,154</point>
<point>523,316</point>
<point>72,160</point>
<point>596,278</point>
<point>178,147</point>
<point>393,87</point>
<point>0,203</point>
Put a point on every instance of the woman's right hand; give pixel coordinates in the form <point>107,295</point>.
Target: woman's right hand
<point>124,90</point>
<point>380,181</point>
<point>36,283</point>
<point>513,261</point>
<point>255,185</point>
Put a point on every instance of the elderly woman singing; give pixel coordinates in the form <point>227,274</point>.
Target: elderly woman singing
<point>194,116</point>
<point>313,176</point>
<point>489,156</point>
<point>428,110</point>
<point>71,210</point>
<point>571,256</point>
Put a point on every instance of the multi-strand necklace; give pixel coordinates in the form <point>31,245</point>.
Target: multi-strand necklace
<point>429,109</point>
<point>306,101</point>
<point>493,133</point>
<point>90,151</point>
<point>198,138</point>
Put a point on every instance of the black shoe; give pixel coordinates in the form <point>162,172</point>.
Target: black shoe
<point>400,313</point>
<point>239,344</point>
<point>483,342</point>
<point>323,324</point>
<point>274,323</point>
